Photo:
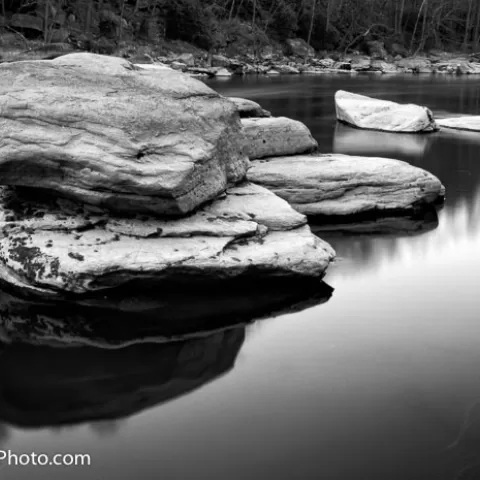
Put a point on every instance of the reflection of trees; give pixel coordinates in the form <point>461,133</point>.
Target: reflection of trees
<point>459,220</point>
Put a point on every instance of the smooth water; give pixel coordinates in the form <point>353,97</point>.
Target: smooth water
<point>380,382</point>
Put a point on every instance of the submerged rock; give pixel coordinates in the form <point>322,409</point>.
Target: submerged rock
<point>249,108</point>
<point>53,247</point>
<point>102,131</point>
<point>341,185</point>
<point>373,114</point>
<point>270,137</point>
<point>470,123</point>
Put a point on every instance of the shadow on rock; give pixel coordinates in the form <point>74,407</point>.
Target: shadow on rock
<point>398,226</point>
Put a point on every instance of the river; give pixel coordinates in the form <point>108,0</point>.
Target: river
<point>379,382</point>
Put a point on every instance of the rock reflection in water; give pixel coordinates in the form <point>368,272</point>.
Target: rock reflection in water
<point>354,141</point>
<point>132,315</point>
<point>45,386</point>
<point>398,226</point>
<point>69,363</point>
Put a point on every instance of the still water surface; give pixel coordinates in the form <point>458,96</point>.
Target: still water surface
<point>380,382</point>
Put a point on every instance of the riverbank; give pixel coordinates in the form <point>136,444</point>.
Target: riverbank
<point>294,58</point>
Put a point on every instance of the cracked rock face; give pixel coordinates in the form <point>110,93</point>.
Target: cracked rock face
<point>271,137</point>
<point>373,114</point>
<point>51,247</point>
<point>102,131</point>
<point>343,185</point>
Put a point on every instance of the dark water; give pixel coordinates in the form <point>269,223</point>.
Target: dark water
<point>382,381</point>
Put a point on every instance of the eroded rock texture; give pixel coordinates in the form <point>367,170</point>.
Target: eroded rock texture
<point>52,246</point>
<point>102,131</point>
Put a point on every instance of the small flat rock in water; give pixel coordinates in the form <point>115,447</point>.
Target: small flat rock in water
<point>373,114</point>
<point>341,185</point>
<point>131,139</point>
<point>470,123</point>
<point>53,246</point>
<point>249,108</point>
<point>271,137</point>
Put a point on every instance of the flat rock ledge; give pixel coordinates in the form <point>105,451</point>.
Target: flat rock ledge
<point>54,247</point>
<point>102,131</point>
<point>373,114</point>
<point>270,137</point>
<point>341,185</point>
<point>469,123</point>
<point>249,108</point>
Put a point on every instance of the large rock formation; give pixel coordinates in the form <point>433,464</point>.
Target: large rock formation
<point>151,163</point>
<point>270,137</point>
<point>52,247</point>
<point>470,123</point>
<point>100,130</point>
<point>369,113</point>
<point>342,185</point>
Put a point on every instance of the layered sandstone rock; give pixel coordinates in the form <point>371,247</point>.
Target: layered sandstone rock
<point>343,185</point>
<point>102,131</point>
<point>51,247</point>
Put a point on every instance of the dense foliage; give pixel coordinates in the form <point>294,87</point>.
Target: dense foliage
<point>215,24</point>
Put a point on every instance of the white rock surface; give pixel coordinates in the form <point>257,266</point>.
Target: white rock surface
<point>373,114</point>
<point>335,184</point>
